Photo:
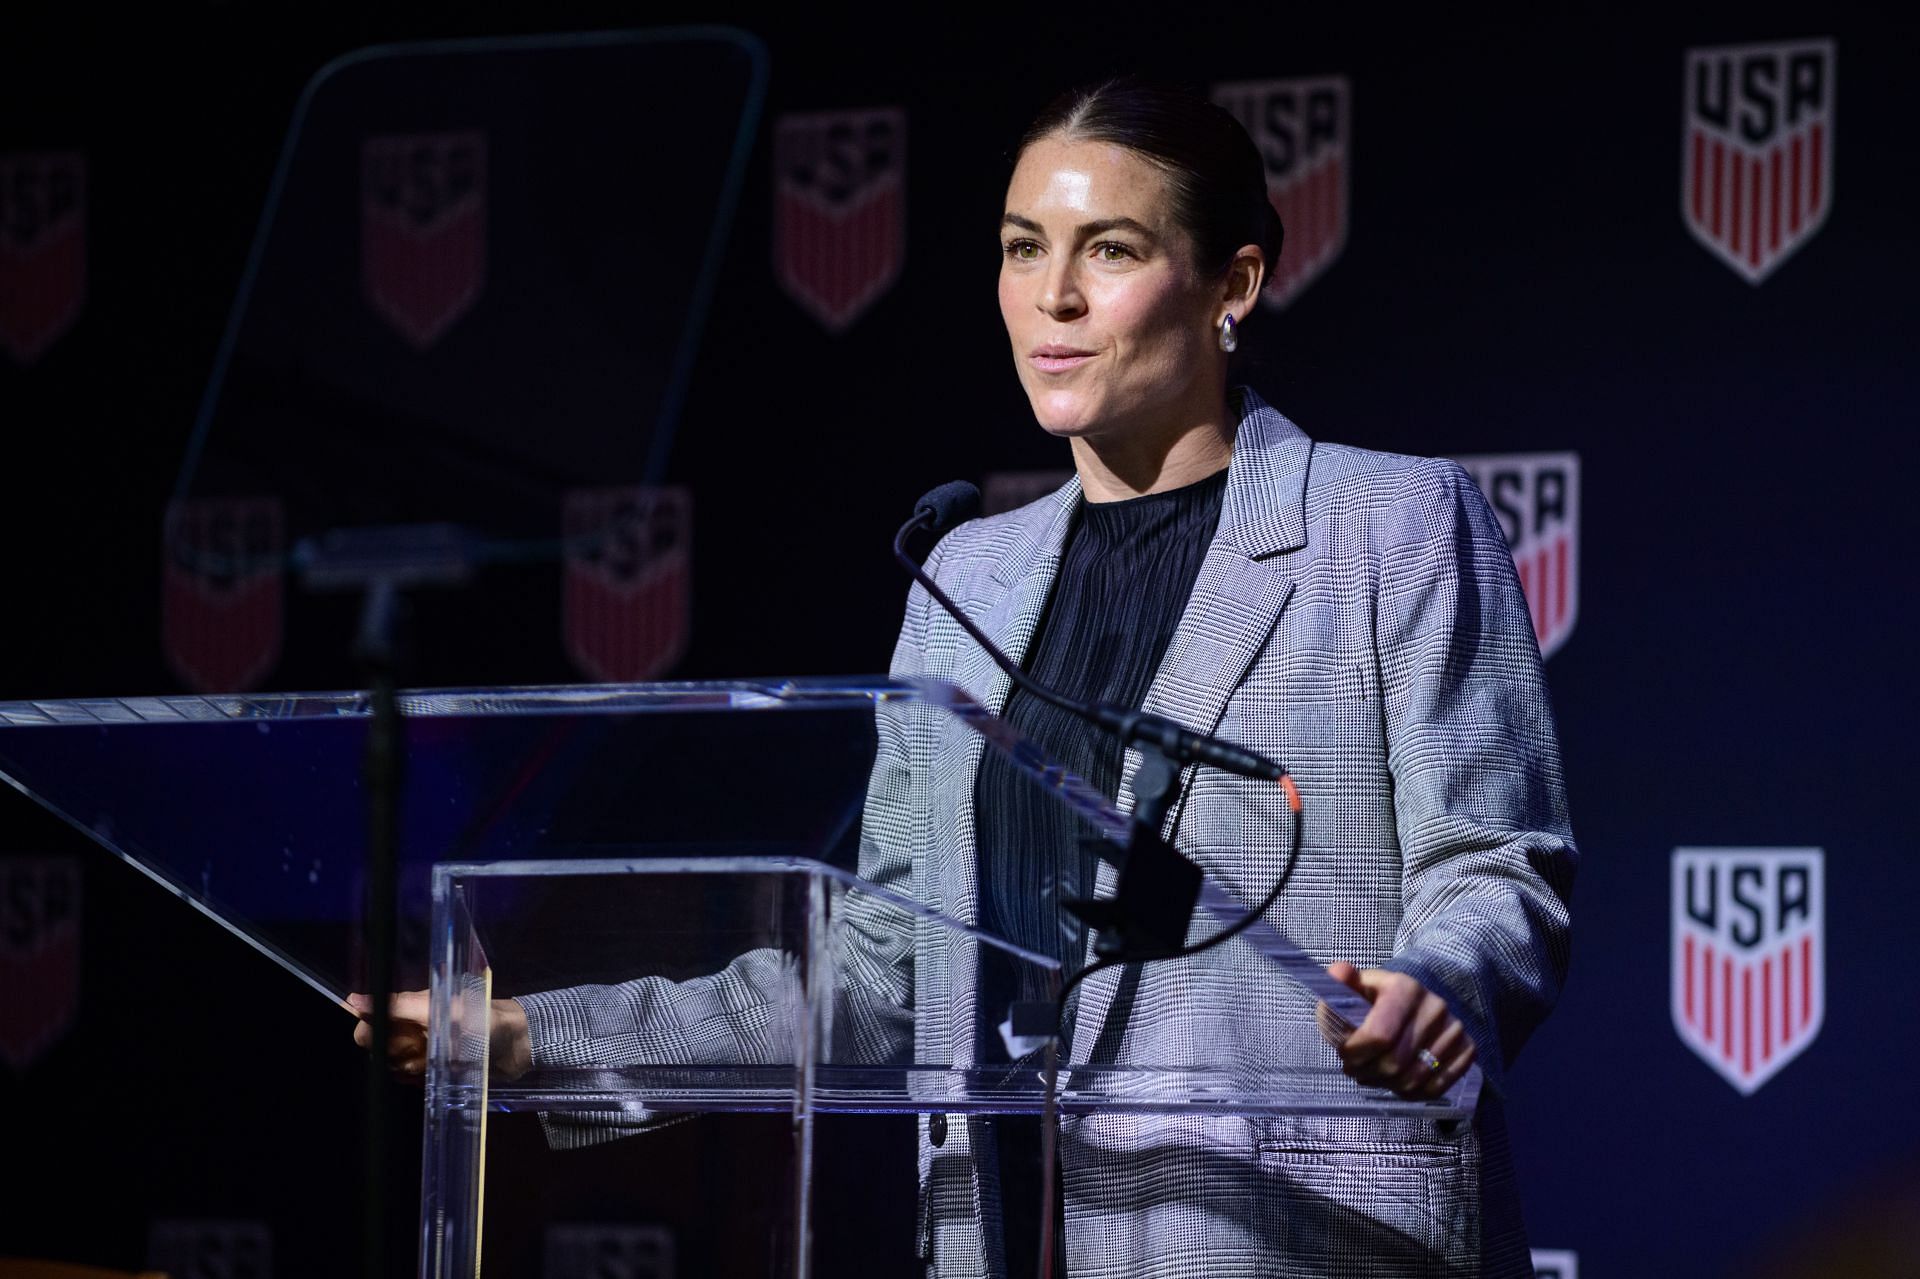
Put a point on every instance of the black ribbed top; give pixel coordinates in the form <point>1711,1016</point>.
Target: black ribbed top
<point>1125,574</point>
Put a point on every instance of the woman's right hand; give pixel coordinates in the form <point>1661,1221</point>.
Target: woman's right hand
<point>512,1049</point>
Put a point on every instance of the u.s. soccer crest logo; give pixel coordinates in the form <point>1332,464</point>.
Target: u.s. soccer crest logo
<point>1756,163</point>
<point>423,229</point>
<point>1302,130</point>
<point>1536,497</point>
<point>220,608</point>
<point>39,954</point>
<point>840,209</point>
<point>628,589</point>
<point>43,250</point>
<point>1749,957</point>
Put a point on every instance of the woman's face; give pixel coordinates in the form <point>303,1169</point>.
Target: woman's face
<point>1114,328</point>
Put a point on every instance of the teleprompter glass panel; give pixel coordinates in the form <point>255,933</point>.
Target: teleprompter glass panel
<point>473,303</point>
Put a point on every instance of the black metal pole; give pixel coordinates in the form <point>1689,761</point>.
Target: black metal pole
<point>382,774</point>
<point>379,562</point>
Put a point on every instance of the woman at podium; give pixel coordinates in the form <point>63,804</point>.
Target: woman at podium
<point>1354,614</point>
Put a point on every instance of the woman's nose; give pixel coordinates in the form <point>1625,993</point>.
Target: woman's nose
<point>1060,295</point>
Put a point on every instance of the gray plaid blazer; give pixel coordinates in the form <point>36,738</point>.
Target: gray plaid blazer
<point>1357,617</point>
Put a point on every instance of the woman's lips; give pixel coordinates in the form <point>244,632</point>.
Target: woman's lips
<point>1058,359</point>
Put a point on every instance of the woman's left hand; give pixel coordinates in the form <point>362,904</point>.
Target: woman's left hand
<point>1411,1042</point>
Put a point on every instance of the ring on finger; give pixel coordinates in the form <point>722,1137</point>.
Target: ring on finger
<point>1427,1059</point>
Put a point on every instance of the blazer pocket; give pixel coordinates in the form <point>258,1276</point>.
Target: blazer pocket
<point>1391,1209</point>
<point>1311,701</point>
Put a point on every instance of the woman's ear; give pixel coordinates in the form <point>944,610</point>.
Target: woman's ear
<point>1246,273</point>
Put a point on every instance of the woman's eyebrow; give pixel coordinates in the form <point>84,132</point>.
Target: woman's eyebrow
<point>1085,229</point>
<point>1105,225</point>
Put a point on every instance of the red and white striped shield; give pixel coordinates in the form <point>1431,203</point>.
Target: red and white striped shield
<point>43,249</point>
<point>39,954</point>
<point>1749,959</point>
<point>220,607</point>
<point>840,209</point>
<point>628,591</point>
<point>1302,129</point>
<point>1537,499</point>
<point>423,229</point>
<point>1756,156</point>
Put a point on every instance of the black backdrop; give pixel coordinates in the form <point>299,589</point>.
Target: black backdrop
<point>1516,279</point>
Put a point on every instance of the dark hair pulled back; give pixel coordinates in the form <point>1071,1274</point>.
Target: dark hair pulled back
<point>1214,172</point>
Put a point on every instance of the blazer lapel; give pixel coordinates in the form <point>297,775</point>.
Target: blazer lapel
<point>1244,583</point>
<point>1016,597</point>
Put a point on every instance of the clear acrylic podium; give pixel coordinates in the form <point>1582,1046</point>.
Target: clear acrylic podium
<point>665,878</point>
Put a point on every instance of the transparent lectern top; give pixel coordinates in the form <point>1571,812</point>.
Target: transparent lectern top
<point>253,808</point>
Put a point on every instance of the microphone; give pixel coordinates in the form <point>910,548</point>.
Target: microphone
<point>1185,745</point>
<point>954,502</point>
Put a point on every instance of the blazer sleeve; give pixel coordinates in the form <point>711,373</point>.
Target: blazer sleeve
<point>740,1015</point>
<point>1479,797</point>
<point>875,1008</point>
